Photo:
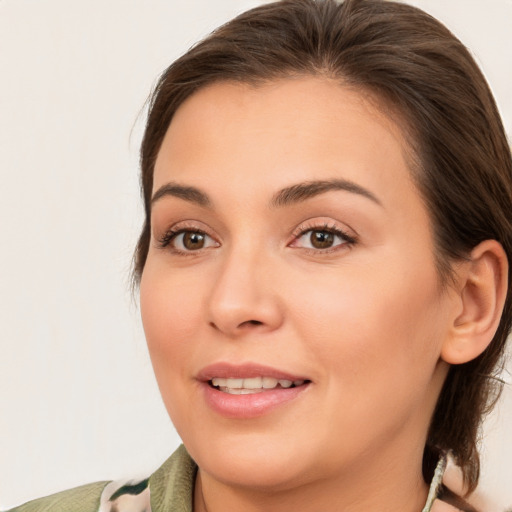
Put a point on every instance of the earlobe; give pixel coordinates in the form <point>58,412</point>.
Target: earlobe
<point>483,286</point>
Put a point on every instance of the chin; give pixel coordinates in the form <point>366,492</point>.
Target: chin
<point>252,461</point>
<point>256,474</point>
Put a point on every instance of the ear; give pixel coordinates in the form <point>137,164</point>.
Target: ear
<point>482,289</point>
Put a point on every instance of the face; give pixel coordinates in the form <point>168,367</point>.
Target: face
<point>290,299</point>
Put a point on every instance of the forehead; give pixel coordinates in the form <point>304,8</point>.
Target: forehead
<point>283,131</point>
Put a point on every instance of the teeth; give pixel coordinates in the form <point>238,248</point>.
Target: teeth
<point>250,391</point>
<point>269,382</point>
<point>252,384</point>
<point>235,383</point>
<point>230,383</point>
<point>233,391</point>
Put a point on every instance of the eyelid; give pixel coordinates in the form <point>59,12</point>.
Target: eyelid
<point>164,240</point>
<point>348,235</point>
<point>177,242</point>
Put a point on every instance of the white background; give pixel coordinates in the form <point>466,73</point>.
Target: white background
<point>78,402</point>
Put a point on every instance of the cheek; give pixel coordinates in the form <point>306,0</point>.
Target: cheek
<point>170,316</point>
<point>365,323</point>
<point>377,340</point>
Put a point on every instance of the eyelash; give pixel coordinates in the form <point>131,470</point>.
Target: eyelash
<point>348,240</point>
<point>169,235</point>
<point>165,241</point>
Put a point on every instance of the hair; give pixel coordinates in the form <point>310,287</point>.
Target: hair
<point>462,164</point>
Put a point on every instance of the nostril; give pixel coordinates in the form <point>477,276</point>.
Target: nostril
<point>243,324</point>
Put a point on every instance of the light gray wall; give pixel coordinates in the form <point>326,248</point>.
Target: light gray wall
<point>78,401</point>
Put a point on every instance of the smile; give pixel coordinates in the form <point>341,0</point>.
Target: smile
<point>251,385</point>
<point>249,390</point>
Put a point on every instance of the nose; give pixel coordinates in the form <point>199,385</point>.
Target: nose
<point>245,297</point>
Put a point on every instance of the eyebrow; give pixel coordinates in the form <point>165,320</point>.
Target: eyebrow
<point>290,195</point>
<point>190,194</point>
<point>303,191</point>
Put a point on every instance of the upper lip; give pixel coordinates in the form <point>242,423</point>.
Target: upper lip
<point>246,370</point>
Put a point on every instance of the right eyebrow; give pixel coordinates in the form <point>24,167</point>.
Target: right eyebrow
<point>308,189</point>
<point>187,193</point>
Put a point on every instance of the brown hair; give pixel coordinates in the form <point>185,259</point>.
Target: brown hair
<point>463,166</point>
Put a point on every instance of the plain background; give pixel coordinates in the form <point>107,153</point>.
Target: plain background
<point>78,401</point>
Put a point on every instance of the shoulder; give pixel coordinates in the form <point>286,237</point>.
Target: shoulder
<point>169,488</point>
<point>172,485</point>
<point>85,498</point>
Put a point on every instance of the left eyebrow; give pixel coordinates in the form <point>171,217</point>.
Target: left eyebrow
<point>187,193</point>
<point>303,191</point>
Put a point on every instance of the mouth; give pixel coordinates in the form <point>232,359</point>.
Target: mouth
<point>249,390</point>
<point>252,385</point>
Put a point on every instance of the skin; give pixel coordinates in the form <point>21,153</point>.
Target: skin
<point>365,322</point>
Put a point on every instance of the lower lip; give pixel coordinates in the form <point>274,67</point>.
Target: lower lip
<point>252,405</point>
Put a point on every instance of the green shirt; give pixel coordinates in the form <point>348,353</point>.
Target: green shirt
<point>171,491</point>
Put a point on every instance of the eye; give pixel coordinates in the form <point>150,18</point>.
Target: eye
<point>322,239</point>
<point>191,240</point>
<point>187,240</point>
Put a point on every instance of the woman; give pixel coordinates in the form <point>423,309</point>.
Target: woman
<point>323,267</point>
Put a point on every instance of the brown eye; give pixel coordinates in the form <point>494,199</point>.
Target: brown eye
<point>321,239</point>
<point>193,240</point>
<point>189,241</point>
